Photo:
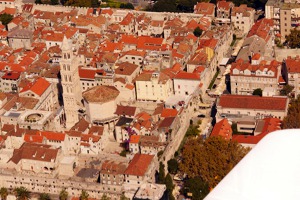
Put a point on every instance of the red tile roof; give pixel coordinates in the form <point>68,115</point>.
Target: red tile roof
<point>253,102</point>
<point>33,138</point>
<point>31,151</point>
<point>223,129</point>
<point>169,112</point>
<point>293,64</point>
<point>262,29</point>
<point>52,135</point>
<point>187,75</point>
<point>11,75</point>
<point>224,5</point>
<point>134,139</point>
<point>204,8</point>
<point>38,87</point>
<point>139,165</point>
<point>125,110</point>
<point>271,124</point>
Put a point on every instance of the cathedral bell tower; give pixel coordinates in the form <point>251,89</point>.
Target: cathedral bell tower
<point>70,81</point>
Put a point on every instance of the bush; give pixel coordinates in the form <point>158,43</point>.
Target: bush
<point>172,166</point>
<point>123,153</point>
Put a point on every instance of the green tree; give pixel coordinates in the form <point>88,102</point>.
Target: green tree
<point>293,39</point>
<point>123,197</point>
<point>211,159</point>
<point>22,193</point>
<point>164,6</point>
<point>5,18</point>
<point>257,92</point>
<point>186,5</point>
<point>54,2</point>
<point>172,166</point>
<point>95,3</point>
<point>63,195</point>
<point>197,187</point>
<point>292,120</point>
<point>161,173</point>
<point>84,195</point>
<point>3,193</point>
<point>127,6</point>
<point>38,2</point>
<point>192,131</point>
<point>44,196</point>
<point>169,186</point>
<point>197,32</point>
<point>286,90</point>
<point>105,197</point>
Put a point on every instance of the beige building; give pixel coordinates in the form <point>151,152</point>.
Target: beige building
<point>239,107</point>
<point>100,103</point>
<point>285,15</point>
<point>9,81</point>
<point>35,158</point>
<point>245,77</point>
<point>242,18</point>
<point>141,169</point>
<point>112,172</point>
<point>293,69</point>
<point>42,90</point>
<point>153,87</point>
<point>20,38</point>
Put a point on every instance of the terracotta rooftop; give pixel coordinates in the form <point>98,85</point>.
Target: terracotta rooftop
<point>113,167</point>
<point>125,68</point>
<point>134,139</point>
<point>253,102</point>
<point>125,110</point>
<point>31,151</point>
<point>139,165</point>
<point>38,87</point>
<point>223,129</point>
<point>169,112</point>
<point>101,94</point>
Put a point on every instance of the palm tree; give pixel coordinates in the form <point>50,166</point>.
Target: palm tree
<point>105,197</point>
<point>84,195</point>
<point>22,193</point>
<point>3,193</point>
<point>63,195</point>
<point>44,196</point>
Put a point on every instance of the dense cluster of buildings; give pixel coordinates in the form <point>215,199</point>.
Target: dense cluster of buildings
<point>80,85</point>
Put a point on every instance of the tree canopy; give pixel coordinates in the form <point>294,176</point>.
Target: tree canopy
<point>293,39</point>
<point>84,195</point>
<point>197,187</point>
<point>211,159</point>
<point>5,18</point>
<point>63,195</point>
<point>161,173</point>
<point>170,186</point>
<point>127,6</point>
<point>164,6</point>
<point>197,32</point>
<point>3,193</point>
<point>172,166</point>
<point>44,196</point>
<point>22,193</point>
<point>188,5</point>
<point>105,197</point>
<point>286,90</point>
<point>257,92</point>
<point>292,120</point>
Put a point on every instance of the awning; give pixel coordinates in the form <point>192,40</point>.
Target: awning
<point>224,61</point>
